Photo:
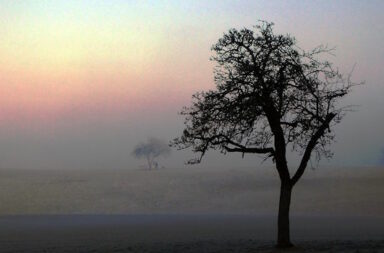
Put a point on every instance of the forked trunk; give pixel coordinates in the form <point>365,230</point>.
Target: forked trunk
<point>283,235</point>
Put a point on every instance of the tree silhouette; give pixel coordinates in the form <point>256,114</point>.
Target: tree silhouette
<point>150,150</point>
<point>270,96</point>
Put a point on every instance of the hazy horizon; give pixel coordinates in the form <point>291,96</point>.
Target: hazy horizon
<point>243,191</point>
<point>82,82</point>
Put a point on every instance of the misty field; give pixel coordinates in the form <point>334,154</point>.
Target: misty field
<point>187,210</point>
<point>331,191</point>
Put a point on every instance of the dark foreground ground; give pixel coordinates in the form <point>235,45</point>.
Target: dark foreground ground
<point>185,233</point>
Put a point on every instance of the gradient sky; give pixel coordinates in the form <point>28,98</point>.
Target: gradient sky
<point>81,82</point>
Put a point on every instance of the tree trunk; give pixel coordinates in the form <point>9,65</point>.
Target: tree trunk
<point>283,236</point>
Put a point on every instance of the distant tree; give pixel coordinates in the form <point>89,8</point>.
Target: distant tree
<point>151,150</point>
<point>270,96</point>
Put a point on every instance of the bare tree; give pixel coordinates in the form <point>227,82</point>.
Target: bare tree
<point>270,96</point>
<point>151,150</point>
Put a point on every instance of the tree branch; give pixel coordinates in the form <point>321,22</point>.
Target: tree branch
<point>251,150</point>
<point>311,145</point>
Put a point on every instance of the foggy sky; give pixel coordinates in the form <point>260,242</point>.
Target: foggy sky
<point>82,82</point>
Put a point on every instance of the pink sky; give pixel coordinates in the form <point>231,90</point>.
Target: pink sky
<point>131,65</point>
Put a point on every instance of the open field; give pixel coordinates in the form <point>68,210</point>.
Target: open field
<point>185,233</point>
<point>340,192</point>
<point>187,210</point>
